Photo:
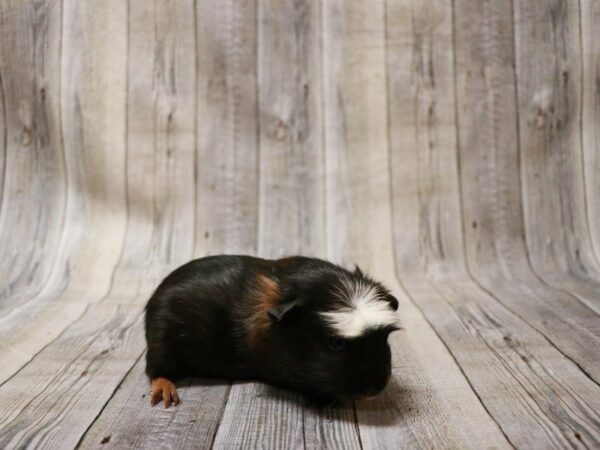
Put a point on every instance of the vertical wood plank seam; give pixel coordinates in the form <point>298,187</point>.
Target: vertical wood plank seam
<point>92,422</point>
<point>5,144</point>
<point>303,410</point>
<point>195,157</point>
<point>157,77</point>
<point>221,414</point>
<point>356,426</point>
<point>581,138</point>
<point>324,173</point>
<point>258,190</point>
<point>61,129</point>
<point>125,135</point>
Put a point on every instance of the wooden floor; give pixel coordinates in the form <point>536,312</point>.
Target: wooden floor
<point>450,148</point>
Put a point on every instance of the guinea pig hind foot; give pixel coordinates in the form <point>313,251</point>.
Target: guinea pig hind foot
<point>162,387</point>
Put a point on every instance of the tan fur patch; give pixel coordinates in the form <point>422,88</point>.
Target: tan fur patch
<point>266,296</point>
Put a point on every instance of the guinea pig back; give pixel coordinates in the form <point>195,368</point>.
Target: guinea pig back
<point>299,323</point>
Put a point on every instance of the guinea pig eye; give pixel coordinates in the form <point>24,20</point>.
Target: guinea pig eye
<point>337,345</point>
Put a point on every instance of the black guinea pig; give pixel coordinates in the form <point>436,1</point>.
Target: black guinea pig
<point>298,323</point>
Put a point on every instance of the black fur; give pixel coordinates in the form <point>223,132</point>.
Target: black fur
<point>198,322</point>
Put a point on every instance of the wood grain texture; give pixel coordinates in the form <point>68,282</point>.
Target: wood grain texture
<point>79,371</point>
<point>34,195</point>
<point>590,20</point>
<point>291,204</point>
<point>227,126</point>
<point>420,405</point>
<point>468,313</point>
<point>128,421</point>
<point>448,148</point>
<point>93,207</point>
<point>550,105</point>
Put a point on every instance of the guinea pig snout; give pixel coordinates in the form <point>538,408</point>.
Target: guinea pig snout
<point>377,385</point>
<point>373,383</point>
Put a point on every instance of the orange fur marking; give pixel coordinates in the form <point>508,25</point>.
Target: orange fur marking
<point>266,296</point>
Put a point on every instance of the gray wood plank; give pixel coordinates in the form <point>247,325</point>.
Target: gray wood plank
<point>229,229</point>
<point>227,127</point>
<point>161,60</point>
<point>428,403</point>
<point>96,195</point>
<point>331,427</point>
<point>590,21</point>
<point>34,195</point>
<point>291,128</point>
<point>494,227</point>
<point>262,417</point>
<point>291,212</point>
<point>549,69</point>
<point>3,141</point>
<point>71,379</point>
<point>511,366</point>
<point>128,421</point>
<point>130,142</point>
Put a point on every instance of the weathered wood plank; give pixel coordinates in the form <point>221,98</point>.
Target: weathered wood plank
<point>115,420</point>
<point>228,190</point>
<point>333,428</point>
<point>260,416</point>
<point>96,196</point>
<point>34,183</point>
<point>3,141</point>
<point>590,23</point>
<point>509,364</point>
<point>420,408</point>
<point>102,192</point>
<point>423,137</point>
<point>71,379</point>
<point>163,58</point>
<point>128,421</point>
<point>227,127</point>
<point>291,130</point>
<point>291,208</point>
<point>494,226</point>
<point>549,68</point>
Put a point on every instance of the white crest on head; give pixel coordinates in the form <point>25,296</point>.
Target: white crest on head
<point>364,309</point>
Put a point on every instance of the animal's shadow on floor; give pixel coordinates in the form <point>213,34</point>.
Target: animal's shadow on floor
<point>396,402</point>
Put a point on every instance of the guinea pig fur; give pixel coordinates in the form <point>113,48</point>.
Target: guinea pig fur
<point>299,323</point>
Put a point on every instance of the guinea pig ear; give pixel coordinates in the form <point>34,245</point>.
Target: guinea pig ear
<point>393,301</point>
<point>278,312</point>
<point>358,272</point>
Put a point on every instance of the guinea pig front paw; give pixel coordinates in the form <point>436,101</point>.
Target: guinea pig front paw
<point>166,389</point>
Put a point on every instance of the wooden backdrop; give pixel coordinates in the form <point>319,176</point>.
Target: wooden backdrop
<point>450,148</point>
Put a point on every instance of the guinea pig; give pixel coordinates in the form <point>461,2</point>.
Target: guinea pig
<point>298,323</point>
